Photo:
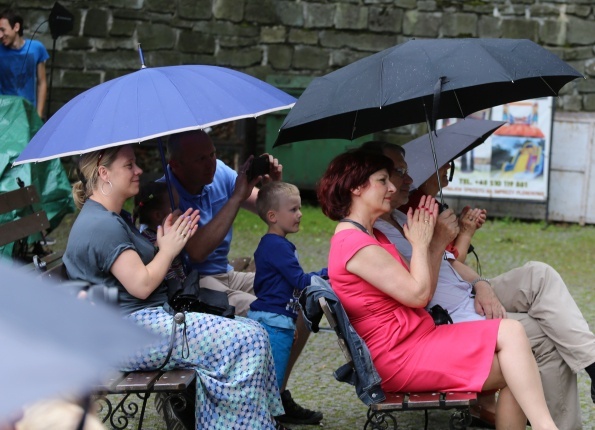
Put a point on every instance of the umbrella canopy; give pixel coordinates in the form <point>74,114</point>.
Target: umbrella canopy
<point>399,85</point>
<point>450,142</point>
<point>150,103</point>
<point>61,344</point>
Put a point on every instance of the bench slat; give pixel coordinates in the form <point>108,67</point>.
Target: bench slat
<point>175,380</point>
<point>18,199</point>
<point>394,401</point>
<point>423,400</point>
<point>23,227</point>
<point>460,399</point>
<point>110,383</point>
<point>137,381</point>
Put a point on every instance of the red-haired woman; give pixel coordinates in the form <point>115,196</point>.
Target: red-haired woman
<point>385,298</point>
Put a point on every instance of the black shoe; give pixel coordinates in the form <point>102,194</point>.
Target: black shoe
<point>295,414</point>
<point>170,414</point>
<point>279,426</point>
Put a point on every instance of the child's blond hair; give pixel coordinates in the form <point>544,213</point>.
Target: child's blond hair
<point>269,197</point>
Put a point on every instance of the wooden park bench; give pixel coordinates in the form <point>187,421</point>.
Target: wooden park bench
<point>18,230</point>
<point>382,415</point>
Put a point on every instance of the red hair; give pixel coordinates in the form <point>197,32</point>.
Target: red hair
<point>345,173</point>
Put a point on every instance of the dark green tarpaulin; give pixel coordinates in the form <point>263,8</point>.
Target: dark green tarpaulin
<point>18,123</point>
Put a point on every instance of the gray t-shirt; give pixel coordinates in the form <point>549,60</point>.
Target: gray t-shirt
<point>97,238</point>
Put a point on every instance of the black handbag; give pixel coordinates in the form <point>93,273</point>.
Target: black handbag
<point>188,296</point>
<point>440,315</point>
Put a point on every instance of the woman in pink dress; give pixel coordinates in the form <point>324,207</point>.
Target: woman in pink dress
<point>385,298</point>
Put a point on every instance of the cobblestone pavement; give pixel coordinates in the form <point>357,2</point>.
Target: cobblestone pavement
<point>313,386</point>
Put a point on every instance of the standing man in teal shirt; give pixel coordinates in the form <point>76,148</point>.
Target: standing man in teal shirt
<point>22,62</point>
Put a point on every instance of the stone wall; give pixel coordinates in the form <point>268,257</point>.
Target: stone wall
<point>296,37</point>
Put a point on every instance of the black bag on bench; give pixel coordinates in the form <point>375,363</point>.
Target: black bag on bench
<point>190,297</point>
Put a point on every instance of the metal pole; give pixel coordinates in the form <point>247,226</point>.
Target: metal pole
<point>166,173</point>
<point>433,147</point>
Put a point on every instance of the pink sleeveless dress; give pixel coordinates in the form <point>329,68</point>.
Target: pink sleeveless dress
<point>409,351</point>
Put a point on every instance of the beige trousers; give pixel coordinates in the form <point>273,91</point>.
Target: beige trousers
<point>562,342</point>
<point>239,287</point>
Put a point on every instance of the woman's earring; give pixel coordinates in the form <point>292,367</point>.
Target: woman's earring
<point>111,187</point>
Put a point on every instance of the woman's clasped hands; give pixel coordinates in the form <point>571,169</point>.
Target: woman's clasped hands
<point>177,230</point>
<point>421,221</point>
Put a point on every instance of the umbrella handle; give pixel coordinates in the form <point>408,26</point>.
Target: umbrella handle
<point>433,147</point>
<point>166,174</point>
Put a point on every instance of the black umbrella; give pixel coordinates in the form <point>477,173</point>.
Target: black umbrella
<point>423,80</point>
<point>451,142</point>
<point>54,344</point>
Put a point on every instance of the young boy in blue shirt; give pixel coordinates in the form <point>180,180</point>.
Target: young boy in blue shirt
<point>279,278</point>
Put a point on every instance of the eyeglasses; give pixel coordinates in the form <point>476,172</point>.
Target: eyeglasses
<point>401,172</point>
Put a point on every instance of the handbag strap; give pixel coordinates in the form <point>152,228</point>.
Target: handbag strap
<point>355,223</point>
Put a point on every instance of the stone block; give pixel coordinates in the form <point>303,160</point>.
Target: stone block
<point>231,10</point>
<point>117,60</point>
<point>261,11</point>
<point>572,103</point>
<point>459,25</point>
<point>279,56</point>
<point>421,24</point>
<point>349,16</point>
<point>236,42</point>
<point>195,9</point>
<point>165,58</point>
<point>580,31</point>
<point>582,11</point>
<point>480,8</point>
<point>553,32</point>
<point>78,19</point>
<point>290,13</point>
<point>520,29</point>
<point>426,5</point>
<point>160,6</point>
<point>259,72</point>
<point>122,27</point>
<point>226,28</point>
<point>489,27</point>
<point>343,57</point>
<point>589,67</point>
<point>377,2</point>
<point>155,36</point>
<point>131,14</point>
<point>303,37</point>
<point>196,43</point>
<point>578,53</point>
<point>239,58</point>
<point>319,15</point>
<point>310,57</point>
<point>76,43</point>
<point>363,42</point>
<point>589,102</point>
<point>385,19</point>
<point>128,4</point>
<point>77,79</point>
<point>69,60</point>
<point>116,43</point>
<point>586,85</point>
<point>544,10</point>
<point>274,34</point>
<point>406,4</point>
<point>96,23</point>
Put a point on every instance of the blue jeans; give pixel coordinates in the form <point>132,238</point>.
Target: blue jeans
<point>281,342</point>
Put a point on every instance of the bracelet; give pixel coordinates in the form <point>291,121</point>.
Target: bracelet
<point>481,278</point>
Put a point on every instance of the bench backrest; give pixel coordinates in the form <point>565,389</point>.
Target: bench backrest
<point>330,317</point>
<point>36,222</point>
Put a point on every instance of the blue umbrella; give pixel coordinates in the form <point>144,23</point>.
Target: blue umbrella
<point>150,103</point>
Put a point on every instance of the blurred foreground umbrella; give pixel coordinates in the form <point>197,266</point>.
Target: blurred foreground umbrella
<point>54,344</point>
<point>451,142</point>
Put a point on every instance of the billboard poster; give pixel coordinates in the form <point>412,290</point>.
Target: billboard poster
<point>513,163</point>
